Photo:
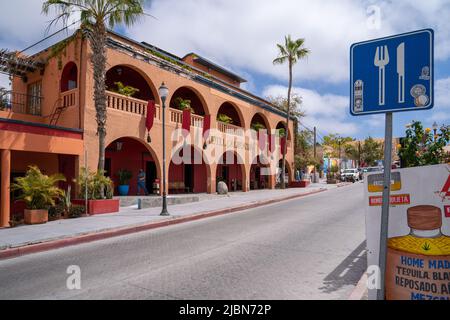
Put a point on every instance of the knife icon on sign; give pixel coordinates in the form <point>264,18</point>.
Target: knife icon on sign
<point>401,72</point>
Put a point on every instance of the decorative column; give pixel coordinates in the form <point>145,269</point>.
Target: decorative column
<point>5,188</point>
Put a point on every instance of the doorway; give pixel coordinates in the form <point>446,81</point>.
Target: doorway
<point>151,175</point>
<point>226,176</point>
<point>189,177</point>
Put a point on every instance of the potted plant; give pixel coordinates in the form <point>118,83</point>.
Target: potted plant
<point>124,181</point>
<point>224,118</point>
<point>183,104</point>
<point>39,192</point>
<point>99,190</point>
<point>332,175</point>
<point>257,126</point>
<point>124,90</point>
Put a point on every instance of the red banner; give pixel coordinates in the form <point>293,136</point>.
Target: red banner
<point>262,139</point>
<point>186,122</point>
<point>151,111</point>
<point>283,145</point>
<point>272,142</point>
<point>206,126</point>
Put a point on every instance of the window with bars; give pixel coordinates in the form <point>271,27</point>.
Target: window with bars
<point>34,98</point>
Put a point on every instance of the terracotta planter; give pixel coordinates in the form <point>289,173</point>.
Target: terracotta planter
<point>36,216</point>
<point>299,184</point>
<point>100,206</point>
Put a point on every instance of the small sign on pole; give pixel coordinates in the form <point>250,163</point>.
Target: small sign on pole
<point>389,75</point>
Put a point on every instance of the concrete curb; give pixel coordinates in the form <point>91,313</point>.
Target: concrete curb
<point>94,236</point>
<point>360,289</point>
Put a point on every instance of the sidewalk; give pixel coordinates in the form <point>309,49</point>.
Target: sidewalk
<point>130,219</point>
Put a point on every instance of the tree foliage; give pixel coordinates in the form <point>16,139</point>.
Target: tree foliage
<point>95,15</point>
<point>290,52</point>
<point>371,151</point>
<point>335,145</point>
<point>421,147</point>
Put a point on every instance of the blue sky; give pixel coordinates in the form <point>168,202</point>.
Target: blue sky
<point>241,36</point>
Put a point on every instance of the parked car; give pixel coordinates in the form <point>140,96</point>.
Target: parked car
<point>351,175</point>
<point>367,170</point>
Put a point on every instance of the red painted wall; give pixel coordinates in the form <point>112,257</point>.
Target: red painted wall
<point>133,157</point>
<point>200,178</point>
<point>176,174</point>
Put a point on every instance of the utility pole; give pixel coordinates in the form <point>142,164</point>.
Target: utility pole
<point>339,143</point>
<point>359,153</point>
<point>315,154</point>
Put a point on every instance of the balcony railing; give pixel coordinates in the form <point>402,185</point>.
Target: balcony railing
<point>176,116</point>
<point>129,104</point>
<point>20,103</point>
<point>229,128</point>
<point>69,98</point>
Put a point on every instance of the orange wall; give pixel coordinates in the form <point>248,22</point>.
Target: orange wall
<point>122,124</point>
<point>47,162</point>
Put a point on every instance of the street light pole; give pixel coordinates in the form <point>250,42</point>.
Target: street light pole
<point>163,93</point>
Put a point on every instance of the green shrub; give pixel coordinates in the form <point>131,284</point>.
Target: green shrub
<point>38,190</point>
<point>56,212</point>
<point>183,104</point>
<point>124,176</point>
<point>224,118</point>
<point>76,212</point>
<point>98,186</point>
<point>257,126</point>
<point>127,91</point>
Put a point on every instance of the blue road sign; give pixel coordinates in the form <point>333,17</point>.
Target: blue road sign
<point>392,74</point>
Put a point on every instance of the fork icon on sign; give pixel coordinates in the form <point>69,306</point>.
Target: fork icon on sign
<point>381,61</point>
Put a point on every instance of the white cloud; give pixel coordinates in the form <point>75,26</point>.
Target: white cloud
<point>4,81</point>
<point>375,121</point>
<point>242,34</point>
<point>441,111</point>
<point>22,24</point>
<point>328,112</point>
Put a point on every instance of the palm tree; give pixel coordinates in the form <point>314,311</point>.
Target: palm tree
<point>291,52</point>
<point>95,15</point>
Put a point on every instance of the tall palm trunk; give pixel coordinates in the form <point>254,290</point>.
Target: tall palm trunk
<point>288,116</point>
<point>98,60</point>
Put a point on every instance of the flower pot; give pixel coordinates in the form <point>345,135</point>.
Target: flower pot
<point>36,216</point>
<point>124,190</point>
<point>100,206</point>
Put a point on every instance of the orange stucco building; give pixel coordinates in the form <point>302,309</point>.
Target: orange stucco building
<point>48,119</point>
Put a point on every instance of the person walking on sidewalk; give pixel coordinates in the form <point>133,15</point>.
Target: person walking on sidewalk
<point>141,183</point>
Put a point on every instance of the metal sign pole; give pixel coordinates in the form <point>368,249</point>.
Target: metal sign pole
<point>386,204</point>
<point>86,181</point>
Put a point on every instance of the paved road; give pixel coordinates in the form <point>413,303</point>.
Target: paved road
<point>310,248</point>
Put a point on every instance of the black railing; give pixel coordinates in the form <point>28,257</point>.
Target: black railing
<point>20,103</point>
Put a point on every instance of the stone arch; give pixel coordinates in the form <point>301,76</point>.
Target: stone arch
<point>233,111</point>
<point>259,117</point>
<point>132,76</point>
<point>289,171</point>
<point>282,124</point>
<point>198,102</point>
<point>232,169</point>
<point>132,153</point>
<point>69,77</point>
<point>180,180</point>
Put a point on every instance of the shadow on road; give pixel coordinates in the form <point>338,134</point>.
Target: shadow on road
<point>348,272</point>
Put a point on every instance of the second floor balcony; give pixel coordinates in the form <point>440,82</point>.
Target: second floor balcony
<point>21,103</point>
